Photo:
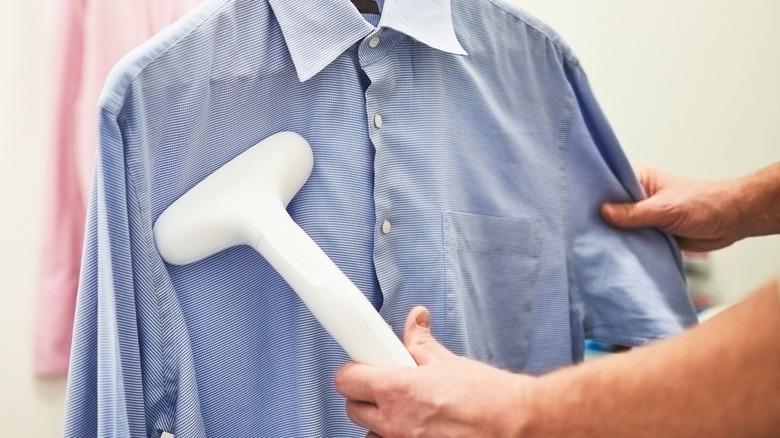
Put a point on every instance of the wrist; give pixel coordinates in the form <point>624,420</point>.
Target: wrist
<point>756,203</point>
<point>741,205</point>
<point>524,416</point>
<point>550,405</point>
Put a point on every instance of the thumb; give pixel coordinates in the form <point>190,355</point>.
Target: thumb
<point>419,340</point>
<point>631,215</point>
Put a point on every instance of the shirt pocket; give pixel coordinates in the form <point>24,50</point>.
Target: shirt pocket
<point>491,268</point>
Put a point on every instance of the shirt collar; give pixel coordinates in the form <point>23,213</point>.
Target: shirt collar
<point>317,32</point>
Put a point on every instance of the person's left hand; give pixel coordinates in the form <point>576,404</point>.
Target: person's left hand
<point>445,396</point>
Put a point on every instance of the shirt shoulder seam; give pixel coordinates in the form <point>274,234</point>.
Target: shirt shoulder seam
<point>129,67</point>
<point>538,26</point>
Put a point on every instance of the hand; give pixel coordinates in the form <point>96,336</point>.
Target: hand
<point>445,396</point>
<point>702,215</point>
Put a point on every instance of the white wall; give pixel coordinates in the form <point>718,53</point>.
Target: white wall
<point>690,86</point>
<point>28,407</point>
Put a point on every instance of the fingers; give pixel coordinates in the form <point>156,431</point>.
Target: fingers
<point>358,381</point>
<point>363,414</point>
<point>626,215</point>
<point>639,214</point>
<point>648,178</point>
<point>353,381</point>
<point>702,245</point>
<point>650,212</point>
<point>419,340</point>
<point>417,327</point>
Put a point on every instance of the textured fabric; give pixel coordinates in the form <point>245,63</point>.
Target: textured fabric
<point>92,36</point>
<point>475,195</point>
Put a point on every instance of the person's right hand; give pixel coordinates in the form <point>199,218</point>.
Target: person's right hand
<point>445,396</point>
<point>703,216</point>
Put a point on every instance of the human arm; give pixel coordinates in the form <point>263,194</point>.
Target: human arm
<point>704,215</point>
<point>719,379</point>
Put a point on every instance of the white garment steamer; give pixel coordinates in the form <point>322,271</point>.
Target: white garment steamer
<point>244,203</point>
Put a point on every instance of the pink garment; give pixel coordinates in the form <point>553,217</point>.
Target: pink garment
<point>92,36</point>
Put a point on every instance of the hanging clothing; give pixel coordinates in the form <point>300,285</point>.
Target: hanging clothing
<point>460,158</point>
<point>92,36</point>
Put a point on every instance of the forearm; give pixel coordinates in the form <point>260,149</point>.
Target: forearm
<point>720,379</point>
<point>757,197</point>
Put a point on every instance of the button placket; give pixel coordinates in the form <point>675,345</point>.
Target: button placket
<point>373,59</point>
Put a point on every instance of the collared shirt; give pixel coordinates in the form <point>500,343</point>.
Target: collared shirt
<point>459,161</point>
<point>92,36</point>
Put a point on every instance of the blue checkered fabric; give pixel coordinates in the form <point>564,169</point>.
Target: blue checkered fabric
<point>488,166</point>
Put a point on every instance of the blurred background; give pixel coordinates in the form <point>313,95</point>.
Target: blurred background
<point>691,87</point>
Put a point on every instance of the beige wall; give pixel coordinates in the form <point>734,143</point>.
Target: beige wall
<point>691,87</point>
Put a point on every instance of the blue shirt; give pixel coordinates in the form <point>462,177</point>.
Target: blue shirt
<point>460,159</point>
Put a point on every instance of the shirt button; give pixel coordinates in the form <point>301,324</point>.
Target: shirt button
<point>386,227</point>
<point>373,42</point>
<point>378,121</point>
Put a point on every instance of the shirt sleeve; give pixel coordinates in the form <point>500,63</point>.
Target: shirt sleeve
<point>631,283</point>
<point>104,391</point>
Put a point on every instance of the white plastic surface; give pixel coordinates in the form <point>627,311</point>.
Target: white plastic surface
<point>237,203</point>
<point>244,202</point>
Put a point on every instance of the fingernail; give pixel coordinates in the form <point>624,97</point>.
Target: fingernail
<point>422,319</point>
